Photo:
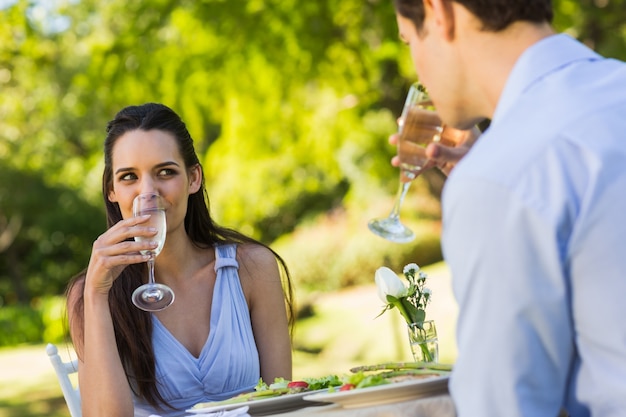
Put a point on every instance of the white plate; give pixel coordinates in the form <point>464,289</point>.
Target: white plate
<point>260,407</point>
<point>383,394</point>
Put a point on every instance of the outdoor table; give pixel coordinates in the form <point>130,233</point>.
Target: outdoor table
<point>439,405</point>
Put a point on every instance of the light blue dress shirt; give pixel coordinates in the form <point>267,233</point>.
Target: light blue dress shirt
<point>535,235</point>
<point>229,361</point>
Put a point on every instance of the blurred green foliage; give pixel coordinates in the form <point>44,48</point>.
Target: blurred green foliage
<point>41,320</point>
<point>290,104</point>
<point>45,234</point>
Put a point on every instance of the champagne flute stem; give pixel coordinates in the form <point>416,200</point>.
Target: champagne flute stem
<point>151,270</point>
<point>402,190</point>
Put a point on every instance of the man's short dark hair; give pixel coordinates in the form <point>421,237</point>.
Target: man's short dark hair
<point>495,15</point>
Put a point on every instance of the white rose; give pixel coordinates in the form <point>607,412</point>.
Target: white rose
<point>388,283</point>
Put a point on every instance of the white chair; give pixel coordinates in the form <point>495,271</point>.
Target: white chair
<point>63,371</point>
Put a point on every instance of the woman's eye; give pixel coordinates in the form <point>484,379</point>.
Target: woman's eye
<point>167,172</point>
<point>127,177</point>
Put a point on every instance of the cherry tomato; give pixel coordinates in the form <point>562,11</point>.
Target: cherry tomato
<point>347,387</point>
<point>297,384</point>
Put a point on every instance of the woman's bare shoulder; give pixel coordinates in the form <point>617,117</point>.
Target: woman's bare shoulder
<point>253,250</point>
<point>256,260</point>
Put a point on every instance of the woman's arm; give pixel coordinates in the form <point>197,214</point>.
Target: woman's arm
<point>103,385</point>
<point>261,280</point>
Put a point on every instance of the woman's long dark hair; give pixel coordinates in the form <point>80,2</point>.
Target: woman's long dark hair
<point>133,327</point>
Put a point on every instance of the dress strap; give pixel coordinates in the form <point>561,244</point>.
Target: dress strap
<point>225,256</point>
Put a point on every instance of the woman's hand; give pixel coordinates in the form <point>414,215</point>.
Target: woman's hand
<point>115,249</point>
<point>453,147</point>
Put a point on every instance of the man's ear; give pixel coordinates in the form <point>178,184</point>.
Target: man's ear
<point>443,13</point>
<point>195,179</point>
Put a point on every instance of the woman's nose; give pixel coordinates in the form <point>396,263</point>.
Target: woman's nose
<point>148,186</point>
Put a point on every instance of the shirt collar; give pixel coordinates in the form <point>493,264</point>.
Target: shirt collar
<point>541,59</point>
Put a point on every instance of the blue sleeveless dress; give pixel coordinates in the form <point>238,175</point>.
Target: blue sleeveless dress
<point>229,361</point>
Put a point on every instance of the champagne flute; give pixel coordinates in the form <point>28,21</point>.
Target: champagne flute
<point>152,296</point>
<point>418,126</point>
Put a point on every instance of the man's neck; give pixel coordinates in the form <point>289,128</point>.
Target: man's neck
<point>490,57</point>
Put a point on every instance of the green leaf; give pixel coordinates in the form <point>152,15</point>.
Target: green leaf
<point>399,304</point>
<point>387,307</point>
<point>391,299</point>
<point>417,314</point>
<point>420,316</point>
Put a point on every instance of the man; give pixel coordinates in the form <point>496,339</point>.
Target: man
<point>535,214</point>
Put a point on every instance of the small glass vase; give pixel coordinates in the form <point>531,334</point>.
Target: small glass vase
<point>423,340</point>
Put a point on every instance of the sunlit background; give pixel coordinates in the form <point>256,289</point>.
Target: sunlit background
<point>290,104</point>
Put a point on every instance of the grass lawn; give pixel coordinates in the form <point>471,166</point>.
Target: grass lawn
<point>344,332</point>
<point>28,385</point>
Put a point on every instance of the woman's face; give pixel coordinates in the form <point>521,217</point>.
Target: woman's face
<point>145,161</point>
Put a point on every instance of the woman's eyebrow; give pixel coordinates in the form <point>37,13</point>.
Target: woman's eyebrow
<point>124,170</point>
<point>167,163</point>
<point>161,165</point>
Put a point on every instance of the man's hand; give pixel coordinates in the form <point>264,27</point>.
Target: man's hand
<point>444,155</point>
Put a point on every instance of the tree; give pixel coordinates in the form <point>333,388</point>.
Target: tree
<point>290,104</point>
<point>44,235</point>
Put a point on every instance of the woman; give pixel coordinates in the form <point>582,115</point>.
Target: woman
<point>228,326</point>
